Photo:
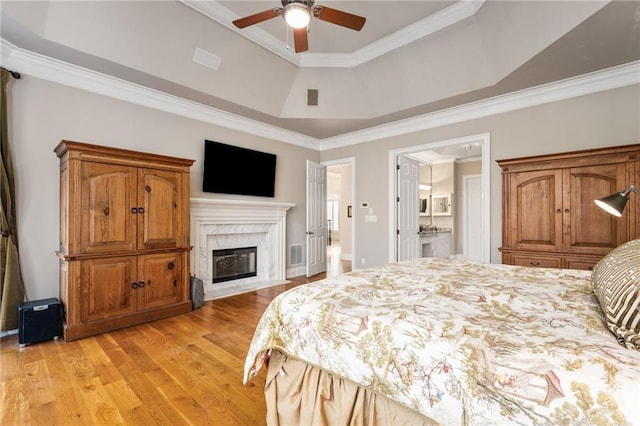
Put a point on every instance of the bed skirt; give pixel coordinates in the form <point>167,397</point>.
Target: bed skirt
<point>299,394</point>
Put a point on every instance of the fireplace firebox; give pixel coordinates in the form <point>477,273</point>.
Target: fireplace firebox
<point>233,264</point>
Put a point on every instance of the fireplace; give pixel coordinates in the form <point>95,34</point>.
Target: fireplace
<point>233,264</point>
<point>224,224</point>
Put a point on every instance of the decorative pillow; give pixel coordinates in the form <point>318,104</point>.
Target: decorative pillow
<point>616,282</point>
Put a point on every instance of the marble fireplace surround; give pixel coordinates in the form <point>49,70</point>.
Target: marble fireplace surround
<point>229,223</point>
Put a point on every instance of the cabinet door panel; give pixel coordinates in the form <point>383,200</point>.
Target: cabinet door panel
<point>107,194</point>
<point>588,228</point>
<point>161,223</point>
<point>162,276</point>
<point>106,287</point>
<point>535,216</point>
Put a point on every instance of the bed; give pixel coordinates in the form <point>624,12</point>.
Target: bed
<point>435,341</point>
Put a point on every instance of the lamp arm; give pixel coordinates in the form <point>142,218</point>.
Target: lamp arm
<point>634,189</point>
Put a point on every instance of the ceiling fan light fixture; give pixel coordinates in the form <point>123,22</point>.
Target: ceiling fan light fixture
<point>297,15</point>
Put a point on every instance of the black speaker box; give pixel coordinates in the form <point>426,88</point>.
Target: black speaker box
<point>197,292</point>
<point>39,320</point>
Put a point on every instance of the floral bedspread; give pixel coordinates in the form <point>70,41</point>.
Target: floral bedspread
<point>462,342</point>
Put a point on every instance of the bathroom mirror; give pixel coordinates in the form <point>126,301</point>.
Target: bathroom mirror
<point>424,190</point>
<point>441,205</point>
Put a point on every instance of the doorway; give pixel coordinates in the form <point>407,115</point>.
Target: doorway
<point>330,227</point>
<point>453,150</point>
<point>340,223</point>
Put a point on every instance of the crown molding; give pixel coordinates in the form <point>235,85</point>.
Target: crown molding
<point>33,64</point>
<point>215,11</point>
<point>420,29</point>
<point>598,81</point>
<point>461,10</point>
<point>56,71</point>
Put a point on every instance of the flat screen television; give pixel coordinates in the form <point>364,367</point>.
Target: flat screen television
<point>231,169</point>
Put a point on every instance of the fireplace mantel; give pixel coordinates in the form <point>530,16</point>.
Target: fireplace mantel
<point>214,220</point>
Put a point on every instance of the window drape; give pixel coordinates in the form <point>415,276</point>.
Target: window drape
<point>12,288</point>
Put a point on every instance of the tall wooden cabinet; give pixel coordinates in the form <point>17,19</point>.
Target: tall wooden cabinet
<point>124,237</point>
<point>549,218</point>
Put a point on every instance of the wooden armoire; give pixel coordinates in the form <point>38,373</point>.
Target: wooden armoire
<point>124,237</point>
<point>549,218</point>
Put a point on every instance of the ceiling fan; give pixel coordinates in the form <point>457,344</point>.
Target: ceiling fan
<point>298,13</point>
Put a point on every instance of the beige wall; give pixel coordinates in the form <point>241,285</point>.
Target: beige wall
<point>602,119</point>
<point>42,114</point>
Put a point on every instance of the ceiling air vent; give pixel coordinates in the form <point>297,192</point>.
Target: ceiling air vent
<point>207,59</point>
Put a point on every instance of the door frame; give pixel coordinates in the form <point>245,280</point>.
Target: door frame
<point>485,140</point>
<point>341,161</point>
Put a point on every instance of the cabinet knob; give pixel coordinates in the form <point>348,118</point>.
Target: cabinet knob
<point>559,211</point>
<point>535,263</point>
<point>140,209</point>
<point>134,210</point>
<point>134,285</point>
<point>171,265</point>
<point>140,284</point>
<point>566,210</point>
<point>106,211</point>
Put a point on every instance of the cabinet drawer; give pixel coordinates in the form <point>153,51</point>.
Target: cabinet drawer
<point>535,261</point>
<point>577,263</point>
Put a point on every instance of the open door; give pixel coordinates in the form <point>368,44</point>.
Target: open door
<point>408,232</point>
<point>316,218</point>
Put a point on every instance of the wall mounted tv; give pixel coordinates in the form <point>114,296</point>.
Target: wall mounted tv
<point>231,169</point>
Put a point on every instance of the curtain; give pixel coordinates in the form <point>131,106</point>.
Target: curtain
<point>12,288</point>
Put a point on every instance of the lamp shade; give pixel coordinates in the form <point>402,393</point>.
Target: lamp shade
<point>614,203</point>
<point>297,15</point>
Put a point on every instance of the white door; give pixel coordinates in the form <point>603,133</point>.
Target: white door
<point>408,238</point>
<point>316,218</point>
<point>473,232</point>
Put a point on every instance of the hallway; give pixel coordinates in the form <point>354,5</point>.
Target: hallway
<point>336,266</point>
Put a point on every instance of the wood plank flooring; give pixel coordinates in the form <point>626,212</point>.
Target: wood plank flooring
<point>181,370</point>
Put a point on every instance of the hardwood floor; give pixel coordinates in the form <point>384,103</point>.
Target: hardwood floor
<point>181,370</point>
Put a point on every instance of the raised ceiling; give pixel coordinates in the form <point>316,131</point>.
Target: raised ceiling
<point>411,57</point>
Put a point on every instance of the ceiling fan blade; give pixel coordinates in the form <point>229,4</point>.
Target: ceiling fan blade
<point>300,39</point>
<point>339,17</point>
<point>257,18</point>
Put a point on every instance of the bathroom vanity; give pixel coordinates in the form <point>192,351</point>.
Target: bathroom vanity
<point>436,243</point>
